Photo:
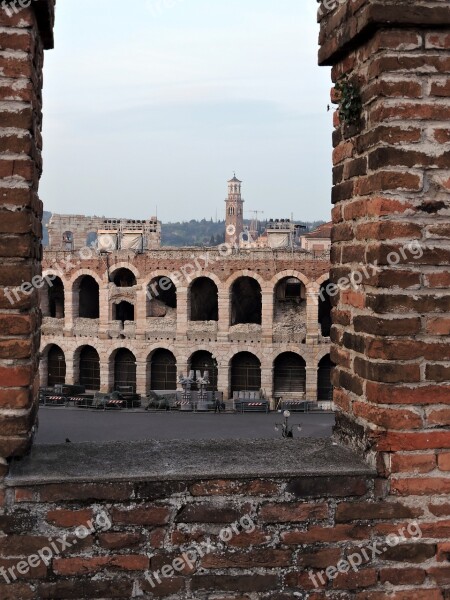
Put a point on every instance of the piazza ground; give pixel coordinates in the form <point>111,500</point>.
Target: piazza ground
<point>57,424</point>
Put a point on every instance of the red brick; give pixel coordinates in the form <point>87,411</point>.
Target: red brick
<point>84,491</point>
<point>420,487</point>
<point>443,553</point>
<point>142,515</point>
<point>354,580</point>
<point>442,136</point>
<point>359,511</point>
<point>413,463</point>
<point>386,417</point>
<point>440,510</point>
<point>69,518</point>
<point>438,325</point>
<point>254,559</point>
<point>411,594</point>
<point>337,533</point>
<point>439,575</point>
<point>438,41</point>
<point>258,487</point>
<point>295,512</point>
<point>390,394</point>
<point>420,440</point>
<point>83,566</point>
<point>405,576</point>
<point>120,540</point>
<point>209,513</point>
<point>444,460</point>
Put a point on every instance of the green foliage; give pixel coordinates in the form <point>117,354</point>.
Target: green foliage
<point>350,103</point>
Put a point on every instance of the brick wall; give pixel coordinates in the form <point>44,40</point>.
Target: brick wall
<point>298,527</point>
<point>23,37</point>
<point>391,205</point>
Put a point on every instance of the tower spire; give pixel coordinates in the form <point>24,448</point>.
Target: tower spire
<point>234,219</point>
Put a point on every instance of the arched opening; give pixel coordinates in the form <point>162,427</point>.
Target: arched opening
<point>56,366</point>
<point>324,386</point>
<point>245,373</point>
<point>88,298</point>
<point>246,301</point>
<point>161,297</point>
<point>124,371</point>
<point>204,300</point>
<point>163,370</point>
<point>123,311</point>
<point>91,239</point>
<point>67,241</point>
<point>55,290</point>
<point>325,310</point>
<point>289,374</point>
<point>204,361</point>
<point>124,278</point>
<point>89,368</point>
<point>290,310</point>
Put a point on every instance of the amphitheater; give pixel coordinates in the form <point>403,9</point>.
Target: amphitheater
<point>255,318</point>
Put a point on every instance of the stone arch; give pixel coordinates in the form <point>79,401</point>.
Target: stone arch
<point>87,366</point>
<point>324,384</point>
<point>80,273</point>
<point>121,265</point>
<point>289,273</point>
<point>203,299</point>
<point>161,294</point>
<point>245,372</point>
<point>123,369</point>
<point>322,279</point>
<point>289,373</point>
<point>245,299</point>
<point>162,367</point>
<point>54,364</point>
<point>52,295</point>
<point>86,296</point>
<point>204,360</point>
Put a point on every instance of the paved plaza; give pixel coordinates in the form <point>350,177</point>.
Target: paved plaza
<point>57,424</point>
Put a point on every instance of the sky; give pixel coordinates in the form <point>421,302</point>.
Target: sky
<point>153,105</point>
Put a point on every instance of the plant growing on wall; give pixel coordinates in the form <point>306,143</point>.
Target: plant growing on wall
<point>348,96</point>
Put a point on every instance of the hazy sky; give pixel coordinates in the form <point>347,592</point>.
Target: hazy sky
<point>157,102</point>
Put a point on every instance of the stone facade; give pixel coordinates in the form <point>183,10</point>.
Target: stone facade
<point>75,232</point>
<point>285,325</point>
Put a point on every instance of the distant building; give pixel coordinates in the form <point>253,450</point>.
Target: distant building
<point>319,240</point>
<point>74,232</point>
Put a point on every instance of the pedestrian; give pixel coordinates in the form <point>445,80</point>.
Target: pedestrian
<point>217,405</point>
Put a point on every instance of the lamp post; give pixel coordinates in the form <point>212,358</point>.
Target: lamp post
<point>286,429</point>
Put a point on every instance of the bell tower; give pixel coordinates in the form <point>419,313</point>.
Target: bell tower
<point>234,220</point>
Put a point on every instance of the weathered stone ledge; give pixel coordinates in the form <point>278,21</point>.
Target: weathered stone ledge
<point>185,459</point>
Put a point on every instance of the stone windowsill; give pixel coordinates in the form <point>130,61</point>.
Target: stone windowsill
<point>187,459</point>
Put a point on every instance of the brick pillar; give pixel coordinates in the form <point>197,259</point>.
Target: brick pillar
<point>23,37</point>
<point>391,204</point>
<point>267,315</point>
<point>141,312</point>
<point>223,326</point>
<point>141,377</point>
<point>182,313</point>
<point>71,307</point>
<point>312,313</point>
<point>105,311</point>
<point>311,383</point>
